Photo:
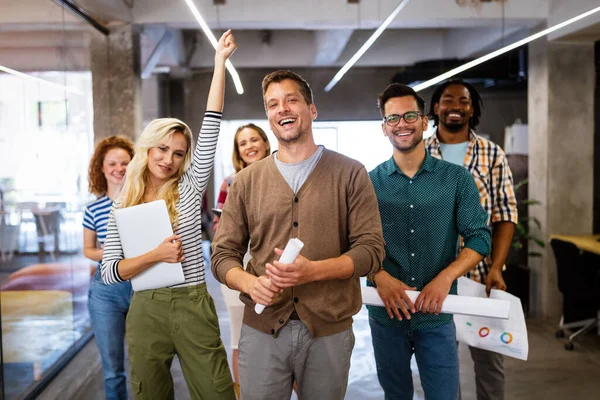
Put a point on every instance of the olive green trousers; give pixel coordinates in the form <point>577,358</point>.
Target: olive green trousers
<point>162,323</point>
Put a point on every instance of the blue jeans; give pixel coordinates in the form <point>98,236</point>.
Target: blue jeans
<point>108,306</point>
<point>436,354</point>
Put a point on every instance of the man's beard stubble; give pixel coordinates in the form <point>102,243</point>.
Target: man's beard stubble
<point>453,128</point>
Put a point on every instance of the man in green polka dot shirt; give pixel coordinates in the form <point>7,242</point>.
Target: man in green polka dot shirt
<point>425,205</point>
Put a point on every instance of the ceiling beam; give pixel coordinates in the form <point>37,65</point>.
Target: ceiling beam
<point>83,15</point>
<point>156,53</point>
<point>329,45</point>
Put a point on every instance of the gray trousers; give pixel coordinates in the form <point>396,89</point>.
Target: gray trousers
<point>489,374</point>
<point>269,366</point>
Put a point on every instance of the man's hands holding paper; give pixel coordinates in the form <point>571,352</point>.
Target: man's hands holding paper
<point>266,289</point>
<point>393,293</point>
<point>432,296</point>
<point>263,291</point>
<point>494,280</point>
<point>297,273</point>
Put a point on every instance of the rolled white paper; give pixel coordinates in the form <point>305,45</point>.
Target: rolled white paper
<point>453,304</point>
<point>291,251</point>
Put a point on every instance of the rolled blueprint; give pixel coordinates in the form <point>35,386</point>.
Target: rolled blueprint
<point>453,304</point>
<point>291,251</point>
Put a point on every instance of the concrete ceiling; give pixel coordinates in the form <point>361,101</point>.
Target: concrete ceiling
<point>39,34</point>
<point>591,33</point>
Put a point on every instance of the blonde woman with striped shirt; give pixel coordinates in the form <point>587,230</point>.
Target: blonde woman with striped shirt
<point>179,320</point>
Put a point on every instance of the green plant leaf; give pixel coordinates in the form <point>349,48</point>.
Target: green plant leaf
<point>521,184</point>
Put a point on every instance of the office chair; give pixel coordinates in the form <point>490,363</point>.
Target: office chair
<point>578,280</point>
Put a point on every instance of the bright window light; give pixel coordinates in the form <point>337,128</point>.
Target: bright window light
<point>365,46</point>
<point>213,40</point>
<point>503,50</point>
<point>42,81</point>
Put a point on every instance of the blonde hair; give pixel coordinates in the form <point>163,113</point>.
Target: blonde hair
<point>238,163</point>
<point>137,176</point>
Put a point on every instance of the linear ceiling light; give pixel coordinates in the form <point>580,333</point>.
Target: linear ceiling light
<point>39,80</point>
<point>213,40</point>
<point>365,46</point>
<point>503,50</point>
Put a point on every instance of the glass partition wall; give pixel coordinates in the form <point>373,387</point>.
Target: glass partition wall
<point>46,140</point>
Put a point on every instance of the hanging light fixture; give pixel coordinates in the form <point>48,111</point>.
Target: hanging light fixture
<point>41,81</point>
<point>213,40</point>
<point>503,50</point>
<point>365,46</point>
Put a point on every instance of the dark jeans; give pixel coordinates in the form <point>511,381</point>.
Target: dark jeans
<point>436,354</point>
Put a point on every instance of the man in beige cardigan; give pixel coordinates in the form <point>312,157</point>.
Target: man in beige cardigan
<point>326,200</point>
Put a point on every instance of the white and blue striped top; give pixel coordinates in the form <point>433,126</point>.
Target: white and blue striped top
<point>95,217</point>
<point>191,189</point>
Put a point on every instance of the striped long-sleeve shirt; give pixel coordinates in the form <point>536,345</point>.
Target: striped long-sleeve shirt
<point>487,163</point>
<point>95,217</point>
<point>191,189</point>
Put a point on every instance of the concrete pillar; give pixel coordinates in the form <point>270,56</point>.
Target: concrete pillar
<point>561,87</point>
<point>150,100</point>
<point>116,83</point>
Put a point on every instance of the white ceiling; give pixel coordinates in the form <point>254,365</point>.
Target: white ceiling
<point>286,33</point>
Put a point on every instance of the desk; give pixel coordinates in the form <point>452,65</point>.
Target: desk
<point>588,243</point>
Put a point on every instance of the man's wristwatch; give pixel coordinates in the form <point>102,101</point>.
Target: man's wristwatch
<point>371,277</point>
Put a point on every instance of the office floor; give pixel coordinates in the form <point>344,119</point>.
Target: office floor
<point>551,373</point>
<point>40,323</point>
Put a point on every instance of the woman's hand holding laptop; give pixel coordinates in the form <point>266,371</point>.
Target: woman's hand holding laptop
<point>170,250</point>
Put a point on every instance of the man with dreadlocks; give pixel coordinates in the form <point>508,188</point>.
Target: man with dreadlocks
<point>455,109</point>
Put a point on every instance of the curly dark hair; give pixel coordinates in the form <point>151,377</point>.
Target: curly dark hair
<point>96,178</point>
<point>476,101</point>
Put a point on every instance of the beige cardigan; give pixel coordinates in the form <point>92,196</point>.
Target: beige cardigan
<point>335,212</point>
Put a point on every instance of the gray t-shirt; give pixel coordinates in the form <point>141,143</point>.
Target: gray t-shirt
<point>296,174</point>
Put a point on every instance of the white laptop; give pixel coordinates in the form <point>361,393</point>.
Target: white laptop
<point>141,229</point>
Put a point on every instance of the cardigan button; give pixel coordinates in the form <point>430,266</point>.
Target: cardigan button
<point>295,199</point>
<point>295,224</point>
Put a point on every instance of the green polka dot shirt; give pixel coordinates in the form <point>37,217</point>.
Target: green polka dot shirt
<point>422,218</point>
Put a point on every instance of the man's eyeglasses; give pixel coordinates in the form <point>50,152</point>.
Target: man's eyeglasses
<point>409,117</point>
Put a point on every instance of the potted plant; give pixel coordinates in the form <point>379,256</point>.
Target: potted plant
<point>523,236</point>
<point>524,245</point>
